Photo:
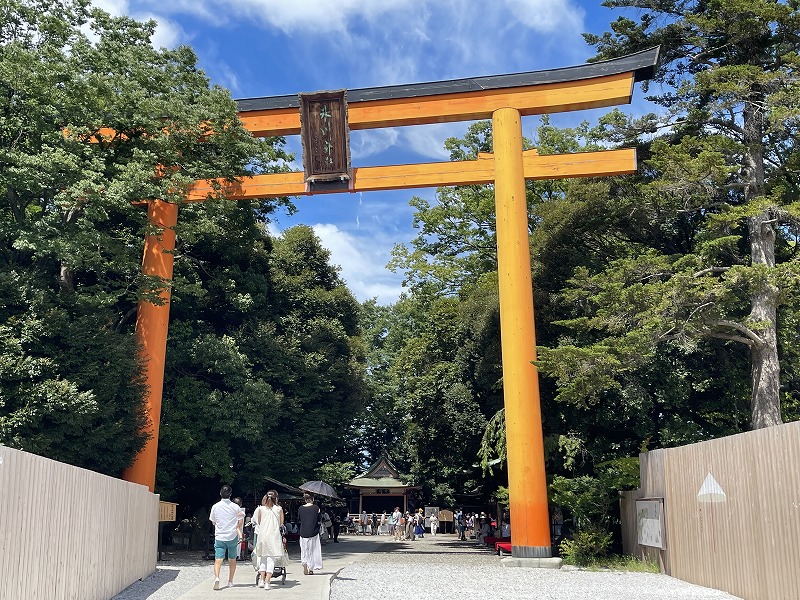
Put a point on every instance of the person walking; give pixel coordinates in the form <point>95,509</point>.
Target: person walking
<point>394,523</point>
<point>310,544</point>
<point>461,522</point>
<point>327,522</point>
<point>268,519</point>
<point>409,527</point>
<point>399,529</point>
<point>434,521</point>
<point>240,529</point>
<point>337,524</point>
<point>419,524</point>
<point>227,518</point>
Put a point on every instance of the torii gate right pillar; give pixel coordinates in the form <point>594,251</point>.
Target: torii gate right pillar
<point>527,485</point>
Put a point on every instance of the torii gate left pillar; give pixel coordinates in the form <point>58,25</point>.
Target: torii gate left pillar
<point>504,98</point>
<point>152,325</point>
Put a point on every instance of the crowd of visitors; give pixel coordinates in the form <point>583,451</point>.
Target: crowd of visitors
<point>473,525</point>
<point>264,533</point>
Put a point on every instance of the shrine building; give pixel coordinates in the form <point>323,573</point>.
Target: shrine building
<point>379,489</point>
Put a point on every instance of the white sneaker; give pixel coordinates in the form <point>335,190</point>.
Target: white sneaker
<point>216,583</point>
<point>230,584</point>
<point>260,583</point>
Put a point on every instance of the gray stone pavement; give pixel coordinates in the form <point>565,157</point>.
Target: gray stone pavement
<point>433,568</point>
<point>350,550</point>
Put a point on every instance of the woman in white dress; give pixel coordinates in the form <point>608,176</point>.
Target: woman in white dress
<point>268,519</point>
<point>434,521</point>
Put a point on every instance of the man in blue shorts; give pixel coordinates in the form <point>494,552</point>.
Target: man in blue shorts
<point>227,518</point>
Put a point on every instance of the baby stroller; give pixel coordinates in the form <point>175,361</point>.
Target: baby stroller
<point>281,563</point>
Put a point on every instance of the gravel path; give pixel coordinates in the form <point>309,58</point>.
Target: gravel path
<point>443,568</point>
<point>173,578</point>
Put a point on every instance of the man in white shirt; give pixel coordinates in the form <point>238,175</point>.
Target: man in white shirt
<point>395,520</point>
<point>227,518</point>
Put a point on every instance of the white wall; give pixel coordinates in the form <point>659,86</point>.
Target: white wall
<point>68,533</point>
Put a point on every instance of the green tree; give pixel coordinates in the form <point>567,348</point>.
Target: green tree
<point>730,160</point>
<point>337,473</point>
<point>265,361</point>
<point>93,120</point>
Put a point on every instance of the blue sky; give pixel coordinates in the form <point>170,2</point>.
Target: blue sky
<point>271,47</point>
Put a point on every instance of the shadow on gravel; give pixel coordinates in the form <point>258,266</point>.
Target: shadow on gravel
<point>182,558</point>
<point>475,552</point>
<point>152,584</point>
<point>393,546</point>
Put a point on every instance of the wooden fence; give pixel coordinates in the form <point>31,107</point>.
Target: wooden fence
<point>731,511</point>
<point>69,533</point>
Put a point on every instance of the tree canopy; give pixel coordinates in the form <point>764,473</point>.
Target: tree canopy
<point>722,166</point>
<point>94,120</point>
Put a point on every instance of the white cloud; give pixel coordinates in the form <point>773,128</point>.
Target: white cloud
<point>428,140</point>
<point>113,7</point>
<point>274,229</point>
<point>362,260</point>
<point>317,16</point>
<point>361,254</point>
<point>548,16</point>
<point>209,10</point>
<point>229,77</point>
<point>168,34</point>
<point>371,141</point>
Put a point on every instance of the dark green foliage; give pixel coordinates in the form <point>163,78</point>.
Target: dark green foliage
<point>726,166</point>
<point>71,227</point>
<point>70,388</point>
<point>336,473</point>
<point>585,547</point>
<point>264,359</point>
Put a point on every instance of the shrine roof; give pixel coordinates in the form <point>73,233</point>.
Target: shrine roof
<point>642,64</point>
<point>382,482</point>
<point>381,474</point>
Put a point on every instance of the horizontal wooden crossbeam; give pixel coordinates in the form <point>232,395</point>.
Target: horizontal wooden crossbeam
<point>467,172</point>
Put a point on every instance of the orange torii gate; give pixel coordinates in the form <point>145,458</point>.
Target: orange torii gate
<point>324,119</point>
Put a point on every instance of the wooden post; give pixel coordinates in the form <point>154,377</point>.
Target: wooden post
<point>527,486</point>
<point>152,324</point>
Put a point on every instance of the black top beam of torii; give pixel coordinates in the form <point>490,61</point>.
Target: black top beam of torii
<point>642,64</point>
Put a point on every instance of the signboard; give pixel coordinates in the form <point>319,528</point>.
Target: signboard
<point>446,516</point>
<point>650,522</point>
<point>325,135</point>
<point>166,511</point>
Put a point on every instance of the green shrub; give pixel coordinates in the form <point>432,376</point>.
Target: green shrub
<point>585,547</point>
<point>626,563</point>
